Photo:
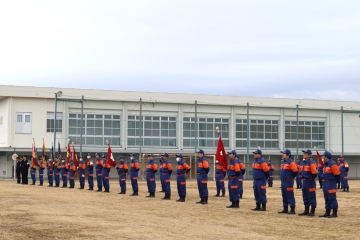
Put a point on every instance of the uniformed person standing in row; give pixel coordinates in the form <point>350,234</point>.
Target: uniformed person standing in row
<point>344,169</point>
<point>151,169</point>
<point>161,177</point>
<point>50,172</point>
<point>72,170</point>
<point>106,173</point>
<point>181,170</point>
<point>41,172</point>
<point>122,169</point>
<point>233,184</point>
<point>241,177</point>
<point>166,173</point>
<point>90,171</point>
<point>271,173</point>
<point>33,172</point>
<point>134,171</point>
<point>98,171</point>
<point>308,174</point>
<point>64,173</point>
<point>220,174</point>
<point>320,173</point>
<point>260,175</point>
<point>339,183</point>
<point>287,174</point>
<point>298,176</point>
<point>24,169</point>
<point>81,170</point>
<point>57,168</point>
<point>202,177</point>
<point>331,175</point>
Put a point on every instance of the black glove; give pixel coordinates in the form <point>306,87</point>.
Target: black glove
<point>237,173</point>
<point>294,174</point>
<point>337,178</point>
<point>155,171</point>
<point>170,172</point>
<point>243,172</point>
<point>207,170</point>
<point>187,170</point>
<point>224,173</point>
<point>314,176</point>
<point>138,169</point>
<point>126,170</point>
<point>267,175</point>
<point>347,169</point>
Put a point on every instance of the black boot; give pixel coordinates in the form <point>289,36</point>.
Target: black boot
<point>223,194</point>
<point>182,199</point>
<point>312,212</point>
<point>285,210</point>
<point>240,196</point>
<point>257,207</point>
<point>135,193</point>
<point>347,189</point>
<point>232,205</point>
<point>40,184</point>
<point>344,190</point>
<point>165,197</point>
<point>107,190</point>
<point>306,211</point>
<point>217,194</point>
<point>64,186</point>
<point>201,201</point>
<point>292,210</point>
<point>237,204</point>
<point>149,196</point>
<point>334,215</point>
<point>33,183</point>
<point>326,214</point>
<point>168,197</point>
<point>99,189</point>
<point>57,185</point>
<point>205,200</point>
<point>91,189</point>
<point>263,208</point>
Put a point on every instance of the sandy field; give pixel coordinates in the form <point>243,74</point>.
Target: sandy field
<point>34,212</point>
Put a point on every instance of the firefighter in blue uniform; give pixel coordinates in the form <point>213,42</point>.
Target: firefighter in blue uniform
<point>260,175</point>
<point>81,170</point>
<point>166,171</point>
<point>134,171</point>
<point>202,177</point>
<point>57,170</point>
<point>72,170</point>
<point>287,174</point>
<point>98,171</point>
<point>64,173</point>
<point>271,173</point>
<point>33,172</point>
<point>220,174</point>
<point>330,177</point>
<point>298,176</point>
<point>233,184</point>
<point>344,169</point>
<point>41,171</point>
<point>106,173</point>
<point>339,183</point>
<point>320,173</point>
<point>308,175</point>
<point>151,169</point>
<point>241,177</point>
<point>161,177</point>
<point>50,172</point>
<point>90,171</point>
<point>122,170</point>
<point>181,170</point>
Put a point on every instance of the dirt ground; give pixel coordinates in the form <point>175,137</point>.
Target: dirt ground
<point>34,212</point>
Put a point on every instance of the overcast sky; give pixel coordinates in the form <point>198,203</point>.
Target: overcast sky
<point>296,49</point>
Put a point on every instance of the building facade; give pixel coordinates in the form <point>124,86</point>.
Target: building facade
<point>173,123</point>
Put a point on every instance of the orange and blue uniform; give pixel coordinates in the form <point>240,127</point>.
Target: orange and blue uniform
<point>271,173</point>
<point>288,172</point>
<point>57,173</point>
<point>202,177</point>
<point>90,171</point>
<point>331,175</point>
<point>260,175</point>
<point>220,174</point>
<point>72,170</point>
<point>134,170</point>
<point>298,176</point>
<point>33,173</point>
<point>122,169</point>
<point>151,169</point>
<point>308,176</point>
<point>81,169</point>
<point>161,177</point>
<point>320,173</point>
<point>241,177</point>
<point>106,173</point>
<point>50,173</point>
<point>344,169</point>
<point>64,172</point>
<point>233,184</point>
<point>98,171</point>
<point>41,172</point>
<point>181,169</point>
<point>339,183</point>
<point>166,172</point>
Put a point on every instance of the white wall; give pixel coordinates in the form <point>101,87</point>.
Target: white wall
<point>4,122</point>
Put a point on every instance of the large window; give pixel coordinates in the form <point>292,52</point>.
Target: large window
<point>311,134</point>
<point>50,122</point>
<point>263,133</point>
<point>23,123</point>
<point>157,131</point>
<point>207,134</point>
<point>97,128</point>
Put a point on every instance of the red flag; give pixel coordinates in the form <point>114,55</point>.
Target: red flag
<point>75,157</point>
<point>34,154</point>
<point>319,159</point>
<point>221,154</point>
<point>68,154</point>
<point>110,157</point>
